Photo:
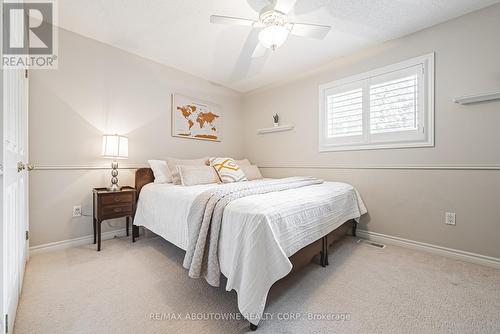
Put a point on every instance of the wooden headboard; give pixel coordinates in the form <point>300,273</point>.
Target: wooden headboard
<point>143,176</point>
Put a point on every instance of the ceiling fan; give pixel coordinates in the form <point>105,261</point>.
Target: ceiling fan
<point>274,26</point>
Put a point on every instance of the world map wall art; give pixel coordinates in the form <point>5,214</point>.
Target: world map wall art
<point>195,119</point>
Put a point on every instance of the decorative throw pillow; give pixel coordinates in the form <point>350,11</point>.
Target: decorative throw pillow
<point>173,162</point>
<point>228,170</point>
<point>176,178</point>
<point>252,172</point>
<point>193,175</point>
<point>160,171</point>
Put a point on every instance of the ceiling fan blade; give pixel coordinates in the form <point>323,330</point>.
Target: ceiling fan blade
<point>259,51</point>
<point>309,30</point>
<point>284,6</point>
<point>258,5</point>
<point>247,66</point>
<point>218,19</point>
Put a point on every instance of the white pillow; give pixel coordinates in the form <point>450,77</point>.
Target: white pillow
<point>173,162</point>
<point>252,172</point>
<point>193,175</point>
<point>160,171</point>
<point>228,170</point>
<point>243,162</point>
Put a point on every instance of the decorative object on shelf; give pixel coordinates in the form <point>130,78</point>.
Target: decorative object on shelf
<point>195,119</point>
<point>478,98</point>
<point>276,120</point>
<point>278,128</point>
<point>114,147</point>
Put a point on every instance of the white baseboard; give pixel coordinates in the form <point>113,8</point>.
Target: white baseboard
<point>444,251</point>
<point>86,240</point>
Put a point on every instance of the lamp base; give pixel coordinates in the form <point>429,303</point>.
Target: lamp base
<point>114,180</point>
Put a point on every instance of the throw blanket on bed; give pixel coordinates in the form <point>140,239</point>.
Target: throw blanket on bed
<point>205,218</point>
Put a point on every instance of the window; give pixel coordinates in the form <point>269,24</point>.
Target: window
<point>391,107</point>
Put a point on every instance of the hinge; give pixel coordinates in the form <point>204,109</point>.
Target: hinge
<point>27,235</point>
<point>423,129</point>
<point>6,324</point>
<point>26,74</point>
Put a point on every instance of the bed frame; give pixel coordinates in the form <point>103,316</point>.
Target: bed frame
<point>299,260</point>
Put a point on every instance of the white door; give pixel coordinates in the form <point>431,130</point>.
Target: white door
<point>14,190</point>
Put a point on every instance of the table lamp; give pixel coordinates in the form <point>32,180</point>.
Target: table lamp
<point>114,147</point>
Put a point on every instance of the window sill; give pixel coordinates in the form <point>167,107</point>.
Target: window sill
<point>383,146</point>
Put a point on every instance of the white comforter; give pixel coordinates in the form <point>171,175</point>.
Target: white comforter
<point>258,232</point>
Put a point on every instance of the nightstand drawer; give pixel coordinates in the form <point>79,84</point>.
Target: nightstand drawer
<point>117,198</point>
<point>117,209</point>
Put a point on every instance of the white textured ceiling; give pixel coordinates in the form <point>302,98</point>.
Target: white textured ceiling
<point>177,33</point>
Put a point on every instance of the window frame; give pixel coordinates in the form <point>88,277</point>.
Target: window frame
<point>394,140</point>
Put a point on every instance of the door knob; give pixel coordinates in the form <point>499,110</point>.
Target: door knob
<point>20,166</point>
<point>31,167</point>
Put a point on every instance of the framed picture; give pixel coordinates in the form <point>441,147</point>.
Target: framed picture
<point>195,119</point>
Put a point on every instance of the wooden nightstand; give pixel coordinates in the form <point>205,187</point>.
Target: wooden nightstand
<point>112,204</point>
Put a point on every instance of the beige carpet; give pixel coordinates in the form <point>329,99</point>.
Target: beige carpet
<point>391,290</point>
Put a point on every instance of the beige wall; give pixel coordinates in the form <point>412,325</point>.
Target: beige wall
<point>405,203</point>
<point>100,89</point>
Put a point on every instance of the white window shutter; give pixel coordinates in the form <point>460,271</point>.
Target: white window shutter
<point>345,113</point>
<point>389,107</point>
<point>394,105</point>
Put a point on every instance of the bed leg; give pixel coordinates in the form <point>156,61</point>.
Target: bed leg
<point>253,327</point>
<point>324,252</point>
<point>354,226</point>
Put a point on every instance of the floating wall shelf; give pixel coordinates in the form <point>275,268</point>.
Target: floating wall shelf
<point>477,98</point>
<point>276,129</point>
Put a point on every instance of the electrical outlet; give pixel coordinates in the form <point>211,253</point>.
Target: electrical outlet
<point>450,218</point>
<point>77,211</point>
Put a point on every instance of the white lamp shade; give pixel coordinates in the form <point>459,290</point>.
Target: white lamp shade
<point>273,37</point>
<point>115,147</point>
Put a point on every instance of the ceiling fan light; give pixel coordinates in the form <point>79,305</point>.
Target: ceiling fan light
<point>273,37</point>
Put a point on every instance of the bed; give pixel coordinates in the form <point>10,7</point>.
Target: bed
<point>263,237</point>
